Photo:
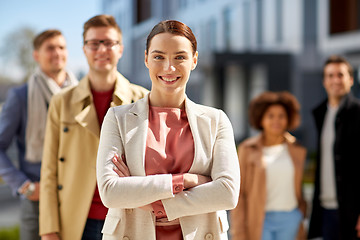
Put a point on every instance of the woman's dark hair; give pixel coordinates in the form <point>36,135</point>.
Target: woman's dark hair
<point>173,27</point>
<point>260,104</point>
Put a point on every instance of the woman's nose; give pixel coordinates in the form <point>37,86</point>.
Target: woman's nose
<point>169,66</point>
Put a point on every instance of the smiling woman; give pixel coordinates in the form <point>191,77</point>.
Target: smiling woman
<point>271,205</point>
<point>169,67</point>
<point>175,161</point>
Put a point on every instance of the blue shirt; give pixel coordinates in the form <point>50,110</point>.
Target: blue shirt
<point>13,119</point>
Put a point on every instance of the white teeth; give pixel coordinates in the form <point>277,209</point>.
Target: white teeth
<point>168,79</point>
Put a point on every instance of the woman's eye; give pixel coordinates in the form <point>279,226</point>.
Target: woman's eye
<point>180,57</point>
<point>158,57</point>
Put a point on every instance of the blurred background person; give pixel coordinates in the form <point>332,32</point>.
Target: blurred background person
<point>23,118</point>
<point>271,205</point>
<point>181,170</point>
<point>336,203</point>
<point>70,205</point>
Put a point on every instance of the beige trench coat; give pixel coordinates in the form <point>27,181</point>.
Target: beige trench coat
<point>248,217</point>
<point>68,174</point>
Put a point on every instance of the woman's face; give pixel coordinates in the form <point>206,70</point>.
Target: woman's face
<point>275,120</point>
<point>170,60</point>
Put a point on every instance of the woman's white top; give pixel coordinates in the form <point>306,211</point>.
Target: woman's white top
<point>280,175</point>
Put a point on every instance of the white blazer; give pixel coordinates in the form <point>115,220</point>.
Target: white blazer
<point>199,209</point>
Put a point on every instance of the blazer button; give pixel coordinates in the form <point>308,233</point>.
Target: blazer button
<point>62,159</point>
<point>60,187</point>
<point>160,213</point>
<point>209,236</point>
<point>66,129</point>
<point>126,238</point>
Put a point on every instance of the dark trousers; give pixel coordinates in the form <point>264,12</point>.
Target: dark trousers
<point>331,226</point>
<point>93,229</point>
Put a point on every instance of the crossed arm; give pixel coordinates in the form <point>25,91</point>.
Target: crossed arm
<point>190,180</point>
<point>202,195</point>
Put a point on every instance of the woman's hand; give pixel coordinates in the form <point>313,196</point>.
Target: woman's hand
<point>192,180</point>
<point>120,166</point>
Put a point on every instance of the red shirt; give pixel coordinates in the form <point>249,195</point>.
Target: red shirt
<point>102,102</point>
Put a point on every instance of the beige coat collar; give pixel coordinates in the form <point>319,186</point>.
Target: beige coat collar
<point>82,98</point>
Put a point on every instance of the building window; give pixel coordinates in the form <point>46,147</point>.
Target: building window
<point>143,8</point>
<point>259,29</point>
<point>246,24</point>
<point>344,16</point>
<point>212,30</point>
<point>227,28</point>
<point>279,20</point>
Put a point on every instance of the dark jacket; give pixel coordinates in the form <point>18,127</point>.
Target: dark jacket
<point>347,167</point>
<point>13,119</point>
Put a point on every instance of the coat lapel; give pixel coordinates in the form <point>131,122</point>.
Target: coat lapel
<point>122,94</point>
<point>85,113</point>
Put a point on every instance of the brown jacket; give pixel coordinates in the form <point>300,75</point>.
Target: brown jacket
<point>248,217</point>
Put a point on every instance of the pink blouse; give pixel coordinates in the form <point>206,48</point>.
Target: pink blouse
<point>169,149</point>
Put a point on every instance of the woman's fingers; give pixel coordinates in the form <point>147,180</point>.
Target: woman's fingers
<point>118,172</point>
<point>203,179</point>
<point>120,167</point>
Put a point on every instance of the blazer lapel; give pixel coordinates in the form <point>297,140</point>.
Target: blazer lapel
<point>200,129</point>
<point>136,129</point>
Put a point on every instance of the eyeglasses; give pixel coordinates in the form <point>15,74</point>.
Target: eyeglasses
<point>95,44</point>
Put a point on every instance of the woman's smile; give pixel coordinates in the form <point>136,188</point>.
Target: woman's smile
<point>169,79</point>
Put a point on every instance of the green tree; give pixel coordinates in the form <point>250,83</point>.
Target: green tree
<point>17,48</point>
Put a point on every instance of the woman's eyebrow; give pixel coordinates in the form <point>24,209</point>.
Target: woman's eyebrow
<point>157,51</point>
<point>161,52</point>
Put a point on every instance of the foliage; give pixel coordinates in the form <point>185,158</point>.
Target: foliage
<point>12,233</point>
<point>17,48</point>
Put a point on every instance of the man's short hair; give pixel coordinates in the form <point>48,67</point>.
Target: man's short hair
<point>43,36</point>
<point>103,20</point>
<point>337,60</point>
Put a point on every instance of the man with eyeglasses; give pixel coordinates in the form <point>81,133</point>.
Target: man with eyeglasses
<point>23,118</point>
<point>70,205</point>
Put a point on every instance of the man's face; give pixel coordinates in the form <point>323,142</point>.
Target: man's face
<point>52,55</point>
<point>337,80</point>
<point>106,56</point>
